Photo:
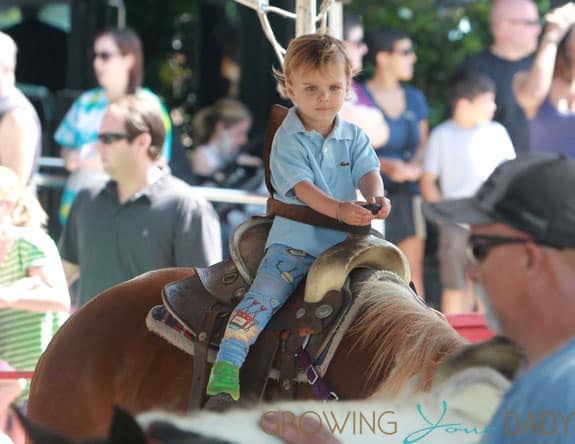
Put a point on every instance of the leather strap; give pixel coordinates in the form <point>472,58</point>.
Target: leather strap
<point>288,365</point>
<point>276,117</point>
<point>254,373</point>
<point>307,215</point>
<point>200,366</point>
<point>318,385</point>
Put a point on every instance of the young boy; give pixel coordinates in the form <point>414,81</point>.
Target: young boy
<point>461,153</point>
<point>317,160</point>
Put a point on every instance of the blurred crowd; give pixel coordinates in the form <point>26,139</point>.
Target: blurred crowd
<point>123,212</point>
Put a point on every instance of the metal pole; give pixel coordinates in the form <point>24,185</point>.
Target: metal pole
<point>335,20</point>
<point>119,4</point>
<point>305,17</point>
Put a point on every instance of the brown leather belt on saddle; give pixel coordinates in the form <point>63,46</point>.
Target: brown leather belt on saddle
<point>204,301</point>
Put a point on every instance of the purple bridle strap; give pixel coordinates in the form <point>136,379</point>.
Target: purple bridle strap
<point>318,385</point>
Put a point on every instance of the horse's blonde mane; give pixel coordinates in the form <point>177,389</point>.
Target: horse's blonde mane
<point>407,338</point>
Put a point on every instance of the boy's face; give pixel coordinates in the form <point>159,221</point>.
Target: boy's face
<point>318,94</point>
<point>482,106</point>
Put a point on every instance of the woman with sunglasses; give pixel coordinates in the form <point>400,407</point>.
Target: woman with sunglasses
<point>118,67</point>
<point>405,110</point>
<point>368,118</point>
<point>546,91</point>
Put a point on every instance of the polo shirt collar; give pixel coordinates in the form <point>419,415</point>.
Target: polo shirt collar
<point>149,192</point>
<point>292,124</point>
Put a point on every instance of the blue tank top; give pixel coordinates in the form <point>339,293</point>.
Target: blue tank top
<point>404,134</point>
<point>552,131</point>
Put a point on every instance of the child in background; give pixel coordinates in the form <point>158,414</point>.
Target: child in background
<point>33,288</point>
<point>461,153</point>
<point>220,130</point>
<point>318,160</point>
<point>34,298</point>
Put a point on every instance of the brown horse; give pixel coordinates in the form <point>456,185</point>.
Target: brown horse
<point>104,355</point>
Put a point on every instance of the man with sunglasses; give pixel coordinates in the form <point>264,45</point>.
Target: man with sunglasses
<point>515,28</point>
<point>522,224</point>
<point>143,218</point>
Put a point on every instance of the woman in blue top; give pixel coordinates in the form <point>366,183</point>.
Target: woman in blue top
<point>405,110</point>
<point>118,66</point>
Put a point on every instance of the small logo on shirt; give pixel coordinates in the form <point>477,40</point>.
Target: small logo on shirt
<point>295,252</point>
<point>145,233</point>
<point>344,164</point>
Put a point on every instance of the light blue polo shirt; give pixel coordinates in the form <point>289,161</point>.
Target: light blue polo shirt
<point>539,408</point>
<point>334,165</point>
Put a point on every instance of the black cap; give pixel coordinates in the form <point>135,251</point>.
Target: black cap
<point>534,193</point>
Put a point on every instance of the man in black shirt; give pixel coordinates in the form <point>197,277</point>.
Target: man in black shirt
<point>515,28</point>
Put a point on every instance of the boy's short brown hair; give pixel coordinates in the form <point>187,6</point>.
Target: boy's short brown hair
<point>468,84</point>
<point>313,51</point>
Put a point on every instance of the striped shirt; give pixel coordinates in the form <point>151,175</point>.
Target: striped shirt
<point>24,335</point>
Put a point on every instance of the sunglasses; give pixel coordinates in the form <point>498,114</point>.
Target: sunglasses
<point>356,43</point>
<point>105,55</point>
<point>109,138</point>
<point>479,245</point>
<point>404,52</point>
<point>525,22</point>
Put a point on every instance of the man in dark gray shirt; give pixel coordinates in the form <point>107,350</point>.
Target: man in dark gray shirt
<point>143,218</point>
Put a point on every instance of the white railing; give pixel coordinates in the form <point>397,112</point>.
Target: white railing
<point>225,195</point>
<point>228,195</point>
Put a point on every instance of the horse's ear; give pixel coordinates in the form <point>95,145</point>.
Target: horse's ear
<point>499,353</point>
<point>36,433</point>
<point>125,429</point>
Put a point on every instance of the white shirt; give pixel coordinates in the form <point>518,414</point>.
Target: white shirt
<point>463,158</point>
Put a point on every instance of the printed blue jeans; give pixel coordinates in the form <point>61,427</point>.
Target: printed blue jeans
<point>280,272</point>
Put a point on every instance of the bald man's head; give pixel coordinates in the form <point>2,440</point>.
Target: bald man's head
<point>515,26</point>
<point>7,51</point>
<point>504,8</point>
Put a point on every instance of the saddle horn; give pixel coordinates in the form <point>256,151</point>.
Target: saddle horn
<point>331,269</point>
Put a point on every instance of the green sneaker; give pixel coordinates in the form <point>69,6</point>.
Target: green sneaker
<point>224,378</point>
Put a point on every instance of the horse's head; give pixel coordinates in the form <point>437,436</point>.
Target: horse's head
<point>498,353</point>
<point>406,338</point>
<point>123,430</point>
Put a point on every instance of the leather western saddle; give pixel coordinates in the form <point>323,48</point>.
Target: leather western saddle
<point>309,320</point>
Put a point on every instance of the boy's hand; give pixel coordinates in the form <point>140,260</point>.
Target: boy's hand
<point>385,206</point>
<point>352,213</point>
